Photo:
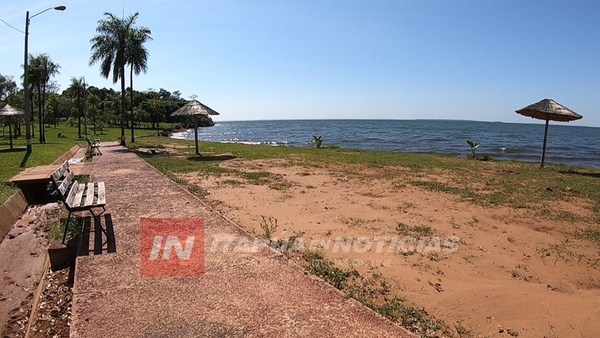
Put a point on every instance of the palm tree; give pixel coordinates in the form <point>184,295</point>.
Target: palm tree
<point>34,77</point>
<point>137,58</point>
<point>109,48</point>
<point>92,102</point>
<point>49,69</point>
<point>77,89</point>
<point>40,71</point>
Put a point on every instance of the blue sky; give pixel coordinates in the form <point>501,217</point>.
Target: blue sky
<point>277,59</point>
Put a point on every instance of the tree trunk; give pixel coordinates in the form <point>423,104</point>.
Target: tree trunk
<point>78,113</point>
<point>43,118</point>
<point>131,102</point>
<point>31,106</point>
<point>123,106</point>
<point>41,127</point>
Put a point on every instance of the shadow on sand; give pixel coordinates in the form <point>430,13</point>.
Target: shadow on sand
<point>214,158</point>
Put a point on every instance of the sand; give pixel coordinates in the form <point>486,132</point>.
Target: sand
<point>494,271</point>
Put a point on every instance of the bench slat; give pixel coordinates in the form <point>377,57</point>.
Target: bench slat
<point>66,184</point>
<point>101,194</point>
<point>77,201</point>
<point>89,194</point>
<point>60,172</point>
<point>69,201</point>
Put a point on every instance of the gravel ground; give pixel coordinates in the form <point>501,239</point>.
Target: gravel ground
<point>53,317</point>
<point>23,252</point>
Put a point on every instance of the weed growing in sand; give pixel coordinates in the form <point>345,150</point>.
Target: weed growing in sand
<point>232,182</point>
<point>415,230</point>
<point>590,234</point>
<point>368,290</point>
<point>256,177</point>
<point>268,226</point>
<point>287,245</point>
<point>352,221</point>
<point>326,269</point>
<point>410,317</point>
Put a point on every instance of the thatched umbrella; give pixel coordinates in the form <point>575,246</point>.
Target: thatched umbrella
<point>9,112</point>
<point>547,110</point>
<point>195,108</point>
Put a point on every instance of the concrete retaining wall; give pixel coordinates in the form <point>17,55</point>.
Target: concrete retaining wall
<point>14,207</point>
<point>10,212</point>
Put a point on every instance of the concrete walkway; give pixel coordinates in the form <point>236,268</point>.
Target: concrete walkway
<point>252,294</point>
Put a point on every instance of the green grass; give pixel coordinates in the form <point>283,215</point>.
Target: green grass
<point>592,234</point>
<point>326,269</point>
<point>484,183</point>
<point>11,163</point>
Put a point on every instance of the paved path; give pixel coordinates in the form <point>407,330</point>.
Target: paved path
<point>252,294</point>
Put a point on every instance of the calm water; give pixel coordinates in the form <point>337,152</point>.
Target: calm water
<point>566,144</point>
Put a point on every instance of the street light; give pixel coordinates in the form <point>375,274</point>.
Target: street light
<point>25,79</point>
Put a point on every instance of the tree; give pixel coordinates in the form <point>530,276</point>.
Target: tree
<point>109,48</point>
<point>8,88</point>
<point>77,91</point>
<point>41,69</point>
<point>92,102</point>
<point>137,58</point>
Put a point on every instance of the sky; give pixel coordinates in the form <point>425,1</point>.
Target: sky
<point>338,59</point>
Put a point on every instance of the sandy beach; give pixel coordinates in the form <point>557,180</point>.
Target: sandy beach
<point>492,271</point>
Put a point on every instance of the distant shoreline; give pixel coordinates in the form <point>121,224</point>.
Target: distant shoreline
<point>530,121</point>
<point>569,145</point>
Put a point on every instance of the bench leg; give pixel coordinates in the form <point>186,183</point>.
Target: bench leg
<point>98,220</point>
<point>66,228</point>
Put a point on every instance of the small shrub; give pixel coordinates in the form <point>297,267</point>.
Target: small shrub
<point>326,269</point>
<point>287,245</point>
<point>268,226</point>
<point>418,230</point>
<point>317,141</point>
<point>474,146</point>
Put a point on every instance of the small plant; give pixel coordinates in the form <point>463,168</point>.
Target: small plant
<point>416,230</point>
<point>269,226</point>
<point>474,146</point>
<point>287,245</point>
<point>57,230</point>
<point>589,234</point>
<point>317,141</point>
<point>326,269</point>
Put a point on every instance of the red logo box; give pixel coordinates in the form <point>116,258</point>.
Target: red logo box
<point>171,247</point>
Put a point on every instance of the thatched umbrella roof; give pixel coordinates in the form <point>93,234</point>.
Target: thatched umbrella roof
<point>195,108</point>
<point>10,111</point>
<point>548,110</point>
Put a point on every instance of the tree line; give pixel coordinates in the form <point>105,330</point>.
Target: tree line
<point>118,45</point>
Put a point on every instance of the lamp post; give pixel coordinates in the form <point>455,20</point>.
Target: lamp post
<point>25,77</point>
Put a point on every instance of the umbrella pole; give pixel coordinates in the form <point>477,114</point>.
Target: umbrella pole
<point>196,133</point>
<point>544,146</point>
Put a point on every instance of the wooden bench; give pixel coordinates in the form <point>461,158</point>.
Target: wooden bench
<point>94,147</point>
<point>78,196</point>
